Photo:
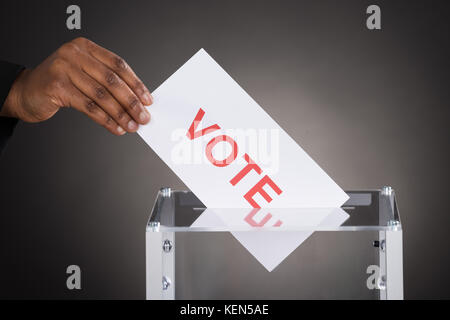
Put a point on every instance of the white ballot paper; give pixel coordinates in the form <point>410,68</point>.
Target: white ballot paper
<point>232,154</point>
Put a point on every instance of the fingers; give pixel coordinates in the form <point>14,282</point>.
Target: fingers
<point>121,68</point>
<point>83,103</point>
<point>117,87</point>
<point>103,98</point>
<point>113,89</point>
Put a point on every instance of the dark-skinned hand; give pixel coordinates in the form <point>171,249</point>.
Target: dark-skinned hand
<point>86,77</point>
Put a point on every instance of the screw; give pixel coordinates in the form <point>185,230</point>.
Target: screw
<point>386,190</point>
<point>166,192</point>
<point>393,223</point>
<point>154,225</point>
<point>382,283</point>
<point>167,246</point>
<point>380,244</point>
<point>166,282</point>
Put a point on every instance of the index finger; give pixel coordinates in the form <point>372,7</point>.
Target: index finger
<point>121,67</point>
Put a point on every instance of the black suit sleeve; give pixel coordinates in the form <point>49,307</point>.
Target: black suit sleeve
<point>8,73</point>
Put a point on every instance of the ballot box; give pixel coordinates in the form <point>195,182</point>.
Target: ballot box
<point>360,258</point>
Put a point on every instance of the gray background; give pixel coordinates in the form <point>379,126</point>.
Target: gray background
<point>370,107</point>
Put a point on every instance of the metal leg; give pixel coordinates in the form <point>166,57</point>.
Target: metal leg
<point>160,264</point>
<point>391,265</point>
<point>153,259</point>
<point>168,266</point>
<point>394,265</point>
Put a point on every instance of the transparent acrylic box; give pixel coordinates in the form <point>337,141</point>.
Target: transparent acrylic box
<point>360,259</point>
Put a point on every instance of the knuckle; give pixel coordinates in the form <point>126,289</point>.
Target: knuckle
<point>134,103</point>
<point>55,86</point>
<point>68,48</point>
<point>122,115</point>
<point>57,64</point>
<point>120,63</point>
<point>100,92</point>
<point>91,106</point>
<point>111,78</point>
<point>109,121</point>
<point>139,87</point>
<point>80,41</point>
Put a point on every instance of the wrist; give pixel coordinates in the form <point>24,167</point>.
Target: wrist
<point>14,99</point>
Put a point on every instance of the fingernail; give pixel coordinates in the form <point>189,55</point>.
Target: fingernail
<point>144,116</point>
<point>120,130</point>
<point>148,98</point>
<point>132,125</point>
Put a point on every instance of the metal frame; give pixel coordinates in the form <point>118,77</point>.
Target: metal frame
<point>160,249</point>
<point>391,249</point>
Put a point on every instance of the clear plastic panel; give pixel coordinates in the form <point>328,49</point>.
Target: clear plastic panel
<point>365,210</point>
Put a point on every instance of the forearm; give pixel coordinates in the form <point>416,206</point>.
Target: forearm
<point>8,75</point>
<point>12,101</point>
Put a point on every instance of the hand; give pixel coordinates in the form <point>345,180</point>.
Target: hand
<point>87,77</point>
